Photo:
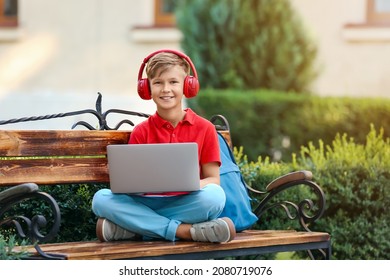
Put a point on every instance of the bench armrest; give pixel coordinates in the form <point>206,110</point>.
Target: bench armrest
<point>17,191</point>
<point>27,227</point>
<point>290,177</point>
<point>306,211</point>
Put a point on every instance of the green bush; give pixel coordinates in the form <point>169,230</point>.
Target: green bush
<point>247,44</point>
<point>7,248</point>
<point>258,174</point>
<point>78,222</point>
<point>275,124</point>
<point>356,181</point>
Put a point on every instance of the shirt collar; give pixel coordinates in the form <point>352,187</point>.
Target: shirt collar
<point>188,118</point>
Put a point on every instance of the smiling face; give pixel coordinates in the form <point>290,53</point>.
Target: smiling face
<point>166,74</point>
<point>167,88</point>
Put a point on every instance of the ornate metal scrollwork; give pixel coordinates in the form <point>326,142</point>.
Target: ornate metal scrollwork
<point>32,228</point>
<point>101,117</point>
<point>306,211</point>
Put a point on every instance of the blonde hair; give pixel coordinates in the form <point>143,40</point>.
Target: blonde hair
<point>163,61</point>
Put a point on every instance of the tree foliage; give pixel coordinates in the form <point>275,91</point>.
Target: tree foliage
<point>247,44</point>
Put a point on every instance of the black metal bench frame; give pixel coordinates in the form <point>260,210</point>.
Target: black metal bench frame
<point>15,195</point>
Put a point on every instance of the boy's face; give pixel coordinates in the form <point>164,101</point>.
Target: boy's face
<point>167,88</point>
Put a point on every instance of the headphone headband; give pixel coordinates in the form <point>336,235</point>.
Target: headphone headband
<point>191,84</point>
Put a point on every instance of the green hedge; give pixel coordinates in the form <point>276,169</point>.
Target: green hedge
<point>356,180</point>
<point>78,222</point>
<point>276,124</point>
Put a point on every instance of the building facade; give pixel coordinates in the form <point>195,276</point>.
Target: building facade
<point>76,48</point>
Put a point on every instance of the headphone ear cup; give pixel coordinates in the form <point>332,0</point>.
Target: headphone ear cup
<point>143,89</point>
<point>191,87</point>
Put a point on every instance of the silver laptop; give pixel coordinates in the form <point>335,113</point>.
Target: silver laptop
<point>153,168</point>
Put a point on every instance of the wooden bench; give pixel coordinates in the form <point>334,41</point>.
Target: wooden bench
<point>30,158</point>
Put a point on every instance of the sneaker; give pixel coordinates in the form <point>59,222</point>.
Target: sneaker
<point>219,230</point>
<point>108,231</point>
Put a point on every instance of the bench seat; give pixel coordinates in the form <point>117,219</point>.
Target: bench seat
<point>247,242</point>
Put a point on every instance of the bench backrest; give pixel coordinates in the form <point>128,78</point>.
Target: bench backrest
<point>57,156</point>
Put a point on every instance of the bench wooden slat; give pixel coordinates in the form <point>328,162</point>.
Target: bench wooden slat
<point>57,143</point>
<point>144,249</point>
<point>226,135</point>
<point>15,143</point>
<point>54,171</point>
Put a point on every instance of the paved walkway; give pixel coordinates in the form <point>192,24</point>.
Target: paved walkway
<point>13,106</point>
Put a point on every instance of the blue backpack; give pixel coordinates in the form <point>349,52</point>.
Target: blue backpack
<point>237,207</point>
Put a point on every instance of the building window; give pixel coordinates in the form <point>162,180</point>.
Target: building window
<point>8,12</point>
<point>164,12</point>
<point>378,12</point>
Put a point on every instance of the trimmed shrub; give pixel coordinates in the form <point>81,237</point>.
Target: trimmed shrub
<point>356,181</point>
<point>78,222</point>
<point>274,124</point>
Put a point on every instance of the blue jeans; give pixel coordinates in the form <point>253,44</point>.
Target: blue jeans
<point>159,217</point>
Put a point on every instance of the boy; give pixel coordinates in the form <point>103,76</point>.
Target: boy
<point>170,216</point>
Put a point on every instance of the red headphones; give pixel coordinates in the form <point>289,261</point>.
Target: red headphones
<point>191,83</point>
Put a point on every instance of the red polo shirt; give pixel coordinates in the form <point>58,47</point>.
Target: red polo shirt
<point>192,128</point>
